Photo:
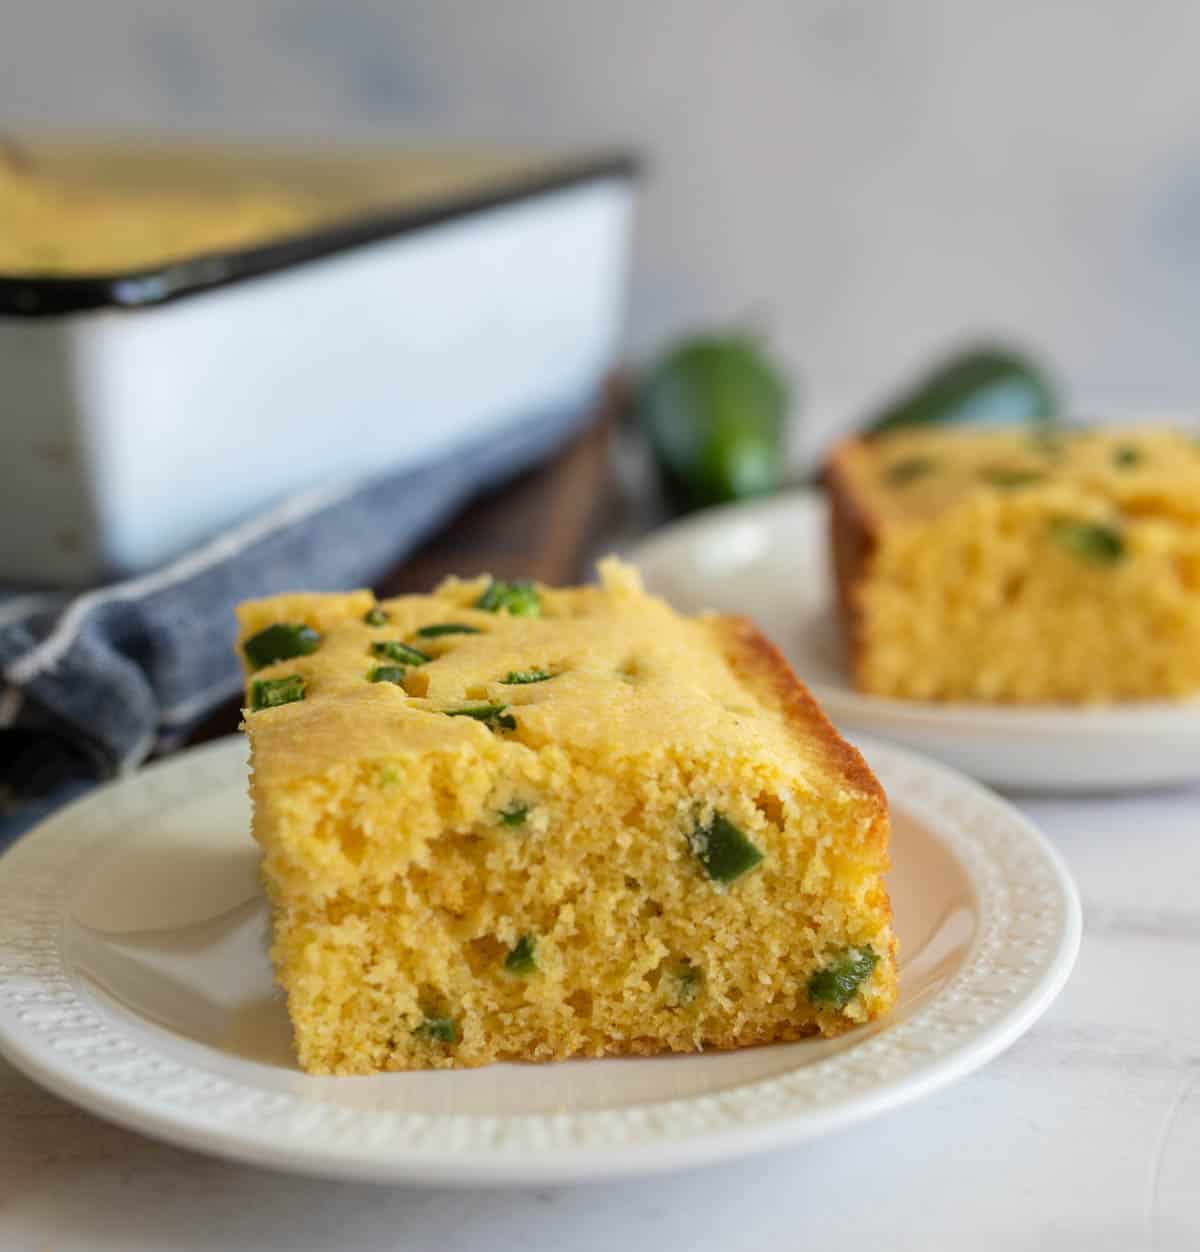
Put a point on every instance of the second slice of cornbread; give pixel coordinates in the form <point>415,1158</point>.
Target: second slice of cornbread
<point>582,825</point>
<point>1020,566</point>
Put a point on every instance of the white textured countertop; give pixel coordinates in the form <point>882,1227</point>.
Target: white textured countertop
<point>1086,1134</point>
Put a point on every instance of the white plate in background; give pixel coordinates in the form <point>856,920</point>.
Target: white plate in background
<point>770,561</point>
<point>134,981</point>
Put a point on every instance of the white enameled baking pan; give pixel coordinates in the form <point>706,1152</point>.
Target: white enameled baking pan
<point>142,412</point>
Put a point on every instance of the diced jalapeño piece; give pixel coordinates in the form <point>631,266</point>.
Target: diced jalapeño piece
<point>269,693</point>
<point>494,715</point>
<point>437,629</point>
<point>523,958</point>
<point>1007,477</point>
<point>519,598</point>
<point>280,642</point>
<point>724,852</point>
<point>394,650</point>
<point>901,473</point>
<point>514,815</point>
<point>438,1030</point>
<point>376,617</point>
<point>1049,440</point>
<point>1096,542</point>
<point>1126,456</point>
<point>837,984</point>
<point>517,677</point>
<point>387,674</point>
<point>685,983</point>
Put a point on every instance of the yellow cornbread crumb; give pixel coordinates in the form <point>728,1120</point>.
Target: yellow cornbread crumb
<point>1021,566</point>
<point>61,227</point>
<point>556,875</point>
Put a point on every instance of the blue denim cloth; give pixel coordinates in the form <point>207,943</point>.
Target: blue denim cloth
<point>112,673</point>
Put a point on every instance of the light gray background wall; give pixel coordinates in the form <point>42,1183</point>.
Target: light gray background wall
<point>872,179</point>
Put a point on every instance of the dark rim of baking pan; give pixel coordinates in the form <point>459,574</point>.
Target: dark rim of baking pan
<point>36,296</point>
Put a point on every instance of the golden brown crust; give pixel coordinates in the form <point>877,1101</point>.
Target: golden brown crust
<point>763,666</point>
<point>854,536</point>
<point>760,663</point>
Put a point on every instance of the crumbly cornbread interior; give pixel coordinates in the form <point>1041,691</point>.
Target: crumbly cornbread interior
<point>453,890</point>
<point>1021,566</point>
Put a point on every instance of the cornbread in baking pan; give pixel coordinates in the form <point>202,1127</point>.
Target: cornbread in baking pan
<point>1023,566</point>
<point>507,822</point>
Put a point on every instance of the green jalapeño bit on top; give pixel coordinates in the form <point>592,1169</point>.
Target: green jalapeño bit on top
<point>493,715</point>
<point>515,815</point>
<point>387,674</point>
<point>437,629</point>
<point>517,677</point>
<point>519,599</point>
<point>1049,440</point>
<point>375,617</point>
<point>724,852</point>
<point>269,693</point>
<point>394,650</point>
<point>280,642</point>
<point>901,473</point>
<point>837,984</point>
<point>1008,477</point>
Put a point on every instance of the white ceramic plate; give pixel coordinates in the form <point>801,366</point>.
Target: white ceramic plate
<point>134,981</point>
<point>769,560</point>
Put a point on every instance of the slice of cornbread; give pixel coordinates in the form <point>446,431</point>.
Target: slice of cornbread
<point>1020,566</point>
<point>508,822</point>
